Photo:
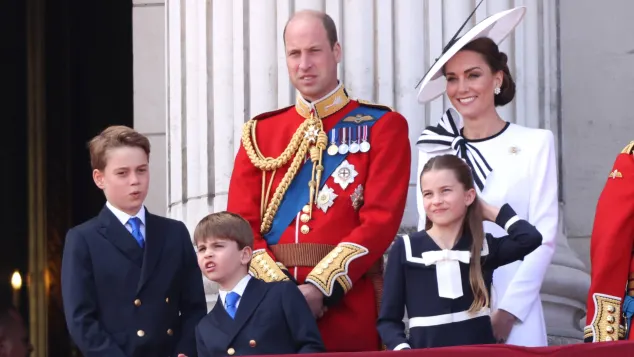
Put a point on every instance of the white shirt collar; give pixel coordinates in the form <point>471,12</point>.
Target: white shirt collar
<point>239,288</point>
<point>124,217</point>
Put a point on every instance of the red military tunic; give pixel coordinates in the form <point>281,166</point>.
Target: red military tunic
<point>611,248</point>
<point>355,216</point>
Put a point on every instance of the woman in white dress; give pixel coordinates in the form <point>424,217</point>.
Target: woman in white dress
<point>510,164</point>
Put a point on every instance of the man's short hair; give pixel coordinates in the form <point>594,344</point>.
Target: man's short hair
<point>329,26</point>
<point>225,225</point>
<point>115,137</point>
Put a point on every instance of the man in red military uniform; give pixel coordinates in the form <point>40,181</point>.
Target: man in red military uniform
<point>324,184</point>
<point>611,295</point>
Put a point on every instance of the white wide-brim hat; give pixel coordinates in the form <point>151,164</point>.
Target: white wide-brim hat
<point>496,27</point>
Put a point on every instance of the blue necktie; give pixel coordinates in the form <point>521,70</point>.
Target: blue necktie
<point>231,300</point>
<point>135,223</point>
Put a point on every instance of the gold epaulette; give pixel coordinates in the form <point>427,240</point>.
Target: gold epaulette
<point>629,149</point>
<point>271,113</point>
<point>374,105</point>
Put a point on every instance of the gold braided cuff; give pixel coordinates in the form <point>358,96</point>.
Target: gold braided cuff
<point>587,333</point>
<point>334,268</point>
<point>263,267</point>
<point>606,323</point>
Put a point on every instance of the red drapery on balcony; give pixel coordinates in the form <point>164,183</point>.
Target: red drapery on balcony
<point>620,349</point>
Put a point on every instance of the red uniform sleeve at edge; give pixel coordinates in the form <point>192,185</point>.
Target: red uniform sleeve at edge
<point>611,248</point>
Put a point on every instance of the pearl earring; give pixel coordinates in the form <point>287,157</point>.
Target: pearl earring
<point>497,90</point>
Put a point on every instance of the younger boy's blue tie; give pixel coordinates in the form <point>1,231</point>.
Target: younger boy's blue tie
<point>135,223</point>
<point>231,300</point>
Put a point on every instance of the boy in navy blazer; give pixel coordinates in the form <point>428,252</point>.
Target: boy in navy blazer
<point>251,317</point>
<point>130,282</point>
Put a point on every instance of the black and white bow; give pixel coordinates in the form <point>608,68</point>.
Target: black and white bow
<point>446,136</point>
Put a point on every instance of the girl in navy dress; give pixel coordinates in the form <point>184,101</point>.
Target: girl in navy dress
<point>443,275</point>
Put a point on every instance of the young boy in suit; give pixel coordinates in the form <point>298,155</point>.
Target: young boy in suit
<point>251,317</point>
<point>130,283</point>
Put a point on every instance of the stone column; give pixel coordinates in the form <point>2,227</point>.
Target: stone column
<point>148,46</point>
<point>564,293</point>
<point>191,189</point>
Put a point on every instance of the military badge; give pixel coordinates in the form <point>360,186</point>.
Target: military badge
<point>344,174</point>
<point>336,101</point>
<point>357,197</point>
<point>311,134</point>
<point>326,198</point>
<point>359,118</point>
<point>615,174</point>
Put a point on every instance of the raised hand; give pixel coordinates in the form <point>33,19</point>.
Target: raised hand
<point>489,212</point>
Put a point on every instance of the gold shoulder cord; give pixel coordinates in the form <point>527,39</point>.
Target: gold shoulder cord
<point>266,190</point>
<point>299,146</point>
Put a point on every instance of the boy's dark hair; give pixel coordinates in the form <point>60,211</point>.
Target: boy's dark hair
<point>115,137</point>
<point>224,225</point>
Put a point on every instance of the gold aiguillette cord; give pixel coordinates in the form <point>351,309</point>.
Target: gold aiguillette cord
<point>316,155</point>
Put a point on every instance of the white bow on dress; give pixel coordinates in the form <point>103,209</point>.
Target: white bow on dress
<point>448,270</point>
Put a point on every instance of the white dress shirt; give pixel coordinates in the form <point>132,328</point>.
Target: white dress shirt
<point>238,289</point>
<point>124,217</point>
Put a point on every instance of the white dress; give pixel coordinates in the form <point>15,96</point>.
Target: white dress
<point>522,172</point>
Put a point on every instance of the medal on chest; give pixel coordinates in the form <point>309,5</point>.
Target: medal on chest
<point>333,149</point>
<point>343,147</point>
<point>357,198</point>
<point>344,174</point>
<point>354,139</point>
<point>365,144</point>
<point>326,198</point>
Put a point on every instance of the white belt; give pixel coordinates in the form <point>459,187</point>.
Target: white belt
<point>447,318</point>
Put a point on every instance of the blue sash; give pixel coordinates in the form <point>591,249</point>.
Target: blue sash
<point>298,193</point>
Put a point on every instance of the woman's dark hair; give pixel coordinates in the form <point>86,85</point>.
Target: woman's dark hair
<point>472,224</point>
<point>497,61</point>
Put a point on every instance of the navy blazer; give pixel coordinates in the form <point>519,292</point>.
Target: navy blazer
<point>121,300</point>
<point>272,318</point>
